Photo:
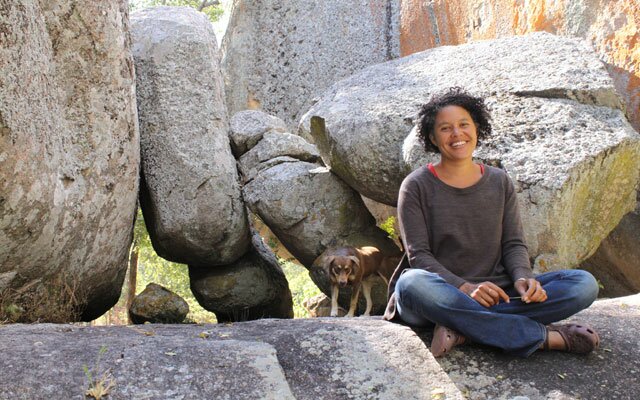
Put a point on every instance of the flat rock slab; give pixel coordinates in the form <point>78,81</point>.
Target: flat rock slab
<point>608,373</point>
<point>268,359</point>
<point>158,368</point>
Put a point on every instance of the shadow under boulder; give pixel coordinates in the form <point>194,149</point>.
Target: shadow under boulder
<point>616,263</point>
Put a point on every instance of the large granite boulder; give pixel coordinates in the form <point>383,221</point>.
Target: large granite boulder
<point>253,287</point>
<point>190,195</point>
<point>157,304</point>
<point>616,263</point>
<point>314,359</point>
<point>279,54</point>
<point>560,133</point>
<point>69,154</point>
<point>610,25</point>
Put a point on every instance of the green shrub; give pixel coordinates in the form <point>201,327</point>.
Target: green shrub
<point>301,286</point>
<point>389,226</point>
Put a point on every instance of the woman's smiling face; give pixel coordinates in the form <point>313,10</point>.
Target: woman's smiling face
<point>454,134</point>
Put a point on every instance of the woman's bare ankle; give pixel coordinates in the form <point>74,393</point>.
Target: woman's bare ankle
<point>555,341</point>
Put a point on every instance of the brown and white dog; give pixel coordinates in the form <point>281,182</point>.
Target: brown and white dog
<point>356,267</point>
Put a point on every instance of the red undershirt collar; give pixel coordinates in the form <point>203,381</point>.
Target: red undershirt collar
<point>433,169</point>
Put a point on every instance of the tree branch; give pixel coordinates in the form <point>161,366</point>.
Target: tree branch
<point>206,4</point>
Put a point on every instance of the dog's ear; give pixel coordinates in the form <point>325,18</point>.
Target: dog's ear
<point>326,263</point>
<point>355,260</point>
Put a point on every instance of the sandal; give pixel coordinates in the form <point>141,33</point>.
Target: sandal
<point>578,339</point>
<point>444,339</point>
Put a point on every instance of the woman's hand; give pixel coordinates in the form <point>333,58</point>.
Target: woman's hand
<point>486,293</point>
<point>531,290</point>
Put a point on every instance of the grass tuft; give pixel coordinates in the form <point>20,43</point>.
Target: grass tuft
<point>58,300</point>
<point>99,384</point>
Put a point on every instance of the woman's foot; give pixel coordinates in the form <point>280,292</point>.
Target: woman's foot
<point>572,338</point>
<point>444,339</point>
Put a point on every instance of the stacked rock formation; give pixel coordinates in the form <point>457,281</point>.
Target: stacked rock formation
<point>190,194</point>
<point>305,205</point>
<point>560,132</point>
<point>69,153</point>
<point>71,156</point>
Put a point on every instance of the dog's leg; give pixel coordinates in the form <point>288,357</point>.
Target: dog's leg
<point>334,300</point>
<point>366,289</point>
<point>355,292</point>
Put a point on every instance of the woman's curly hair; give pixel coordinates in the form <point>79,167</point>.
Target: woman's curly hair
<point>454,96</point>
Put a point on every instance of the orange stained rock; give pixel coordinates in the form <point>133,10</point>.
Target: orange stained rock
<point>417,30</point>
<point>612,26</point>
<point>538,16</point>
<point>615,35</point>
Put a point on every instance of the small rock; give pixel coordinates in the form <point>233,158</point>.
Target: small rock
<point>158,304</point>
<point>320,306</point>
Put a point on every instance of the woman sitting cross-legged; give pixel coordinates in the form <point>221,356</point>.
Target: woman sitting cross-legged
<point>466,270</point>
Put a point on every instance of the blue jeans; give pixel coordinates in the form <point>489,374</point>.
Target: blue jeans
<point>424,299</point>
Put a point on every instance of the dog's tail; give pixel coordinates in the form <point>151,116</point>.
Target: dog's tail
<point>384,278</point>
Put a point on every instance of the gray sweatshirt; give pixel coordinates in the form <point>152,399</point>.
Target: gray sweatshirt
<point>464,235</point>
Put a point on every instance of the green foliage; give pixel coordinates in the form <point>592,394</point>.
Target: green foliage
<point>301,286</point>
<point>389,226</point>
<point>212,9</point>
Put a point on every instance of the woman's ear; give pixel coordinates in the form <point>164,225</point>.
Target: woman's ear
<point>432,138</point>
